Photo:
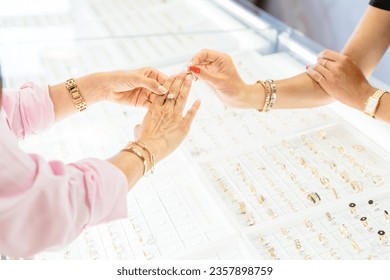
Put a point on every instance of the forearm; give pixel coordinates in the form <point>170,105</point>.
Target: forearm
<point>130,165</point>
<point>296,92</point>
<point>62,101</point>
<point>370,40</point>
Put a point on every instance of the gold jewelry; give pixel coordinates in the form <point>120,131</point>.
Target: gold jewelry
<point>298,244</point>
<point>75,94</point>
<point>272,99</point>
<point>151,155</point>
<point>352,208</point>
<point>373,103</point>
<point>364,222</point>
<point>267,96</point>
<point>356,186</point>
<point>314,197</point>
<point>250,219</point>
<point>324,181</point>
<point>272,253</point>
<point>381,235</point>
<point>336,195</point>
<point>308,224</point>
<point>242,207</point>
<point>139,155</point>
<point>355,245</point>
<point>329,216</point>
<point>261,199</point>
<point>344,231</point>
<point>387,216</point>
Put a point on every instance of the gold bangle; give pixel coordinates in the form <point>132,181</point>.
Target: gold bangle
<point>151,155</point>
<point>138,154</point>
<point>75,94</point>
<point>267,96</point>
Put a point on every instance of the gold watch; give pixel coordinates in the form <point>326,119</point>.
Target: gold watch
<point>373,102</point>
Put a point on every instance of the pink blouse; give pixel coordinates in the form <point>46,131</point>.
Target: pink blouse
<point>45,205</point>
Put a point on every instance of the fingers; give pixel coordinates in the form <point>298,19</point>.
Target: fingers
<point>190,115</point>
<point>204,74</point>
<point>206,56</point>
<point>174,91</point>
<point>181,100</point>
<point>330,55</point>
<point>167,85</point>
<point>153,86</point>
<point>315,75</point>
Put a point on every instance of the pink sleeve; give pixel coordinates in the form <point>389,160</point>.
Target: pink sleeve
<point>29,110</point>
<point>44,204</point>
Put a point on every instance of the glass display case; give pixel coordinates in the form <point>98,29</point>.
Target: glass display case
<point>287,184</point>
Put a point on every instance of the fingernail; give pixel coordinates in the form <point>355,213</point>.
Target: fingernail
<point>194,69</point>
<point>162,89</point>
<point>307,66</point>
<point>188,77</point>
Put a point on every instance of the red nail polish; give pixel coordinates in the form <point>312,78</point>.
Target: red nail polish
<point>194,69</point>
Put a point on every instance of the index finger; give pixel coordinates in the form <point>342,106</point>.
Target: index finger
<point>206,56</point>
<point>160,77</point>
<point>329,55</point>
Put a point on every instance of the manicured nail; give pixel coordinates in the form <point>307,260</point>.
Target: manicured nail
<point>194,69</point>
<point>162,89</point>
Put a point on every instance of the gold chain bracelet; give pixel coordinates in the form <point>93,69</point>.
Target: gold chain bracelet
<point>75,94</point>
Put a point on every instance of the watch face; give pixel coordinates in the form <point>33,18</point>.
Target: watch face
<point>371,106</point>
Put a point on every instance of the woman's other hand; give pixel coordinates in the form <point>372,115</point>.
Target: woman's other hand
<point>218,71</point>
<point>341,78</point>
<point>134,88</point>
<point>164,126</point>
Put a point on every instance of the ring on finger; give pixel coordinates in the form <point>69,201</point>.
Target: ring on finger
<point>170,96</point>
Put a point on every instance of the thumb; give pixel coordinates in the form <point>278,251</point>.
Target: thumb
<point>153,86</point>
<point>203,74</point>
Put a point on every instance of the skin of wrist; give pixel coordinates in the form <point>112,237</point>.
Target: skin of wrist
<point>369,92</point>
<point>88,86</point>
<point>154,148</point>
<point>254,96</point>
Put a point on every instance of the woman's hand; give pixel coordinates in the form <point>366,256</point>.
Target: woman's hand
<point>164,127</point>
<point>342,79</point>
<point>162,130</point>
<point>218,71</point>
<point>135,88</point>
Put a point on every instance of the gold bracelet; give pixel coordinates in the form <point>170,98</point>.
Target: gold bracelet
<point>138,154</point>
<point>75,94</point>
<point>151,155</point>
<point>267,96</point>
